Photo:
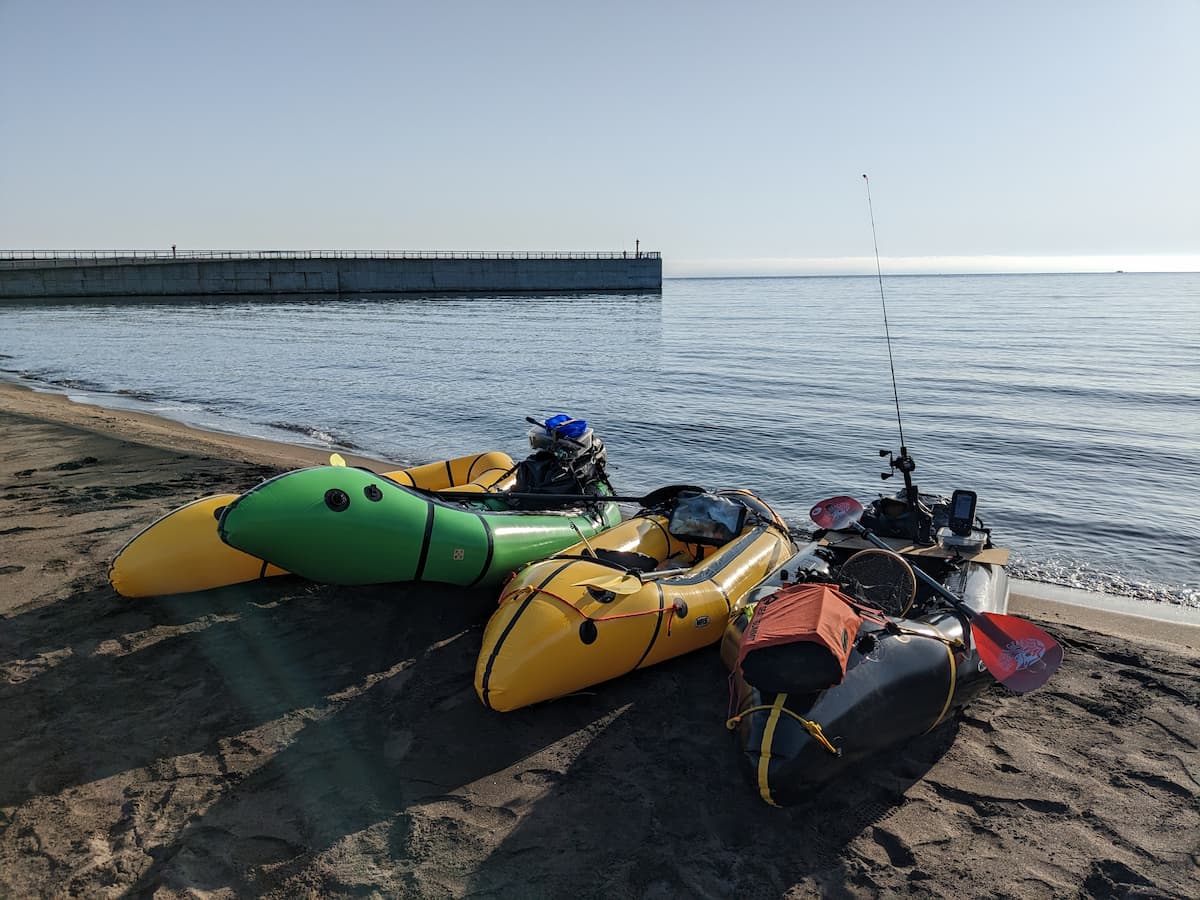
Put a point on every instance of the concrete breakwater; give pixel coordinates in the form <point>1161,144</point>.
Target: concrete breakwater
<point>65,274</point>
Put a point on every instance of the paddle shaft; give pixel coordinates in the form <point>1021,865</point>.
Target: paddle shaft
<point>654,498</point>
<point>663,573</point>
<point>993,643</point>
<point>524,495</point>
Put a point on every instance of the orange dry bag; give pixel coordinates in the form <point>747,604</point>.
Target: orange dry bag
<point>799,639</point>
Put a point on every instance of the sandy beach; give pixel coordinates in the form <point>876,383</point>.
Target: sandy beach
<point>288,739</point>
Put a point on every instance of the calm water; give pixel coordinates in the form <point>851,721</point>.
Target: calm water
<point>1070,403</point>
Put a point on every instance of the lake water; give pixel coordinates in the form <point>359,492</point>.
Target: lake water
<point>1069,403</point>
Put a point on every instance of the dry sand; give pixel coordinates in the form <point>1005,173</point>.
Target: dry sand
<point>288,739</point>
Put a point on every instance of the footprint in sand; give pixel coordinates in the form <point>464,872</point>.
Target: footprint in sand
<point>539,777</point>
<point>1110,878</point>
<point>899,853</point>
<point>74,464</point>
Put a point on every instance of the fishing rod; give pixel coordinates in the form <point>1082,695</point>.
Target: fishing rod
<point>903,463</point>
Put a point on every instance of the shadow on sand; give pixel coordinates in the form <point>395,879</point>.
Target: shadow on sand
<point>289,724</point>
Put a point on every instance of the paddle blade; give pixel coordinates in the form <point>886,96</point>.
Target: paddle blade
<point>1019,655</point>
<point>617,584</point>
<point>836,513</point>
<point>336,459</point>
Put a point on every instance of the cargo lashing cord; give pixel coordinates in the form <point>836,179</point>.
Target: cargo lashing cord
<point>953,644</point>
<point>678,608</point>
<point>813,728</point>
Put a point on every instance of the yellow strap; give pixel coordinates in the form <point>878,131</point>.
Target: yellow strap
<point>950,689</point>
<point>764,749</point>
<point>813,728</point>
<point>951,645</point>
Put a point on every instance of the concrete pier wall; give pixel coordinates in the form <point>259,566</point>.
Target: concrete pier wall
<point>285,274</point>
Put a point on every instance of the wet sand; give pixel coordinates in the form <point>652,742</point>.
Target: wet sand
<point>288,739</point>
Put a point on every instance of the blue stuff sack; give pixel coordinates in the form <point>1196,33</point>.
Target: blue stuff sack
<point>564,426</point>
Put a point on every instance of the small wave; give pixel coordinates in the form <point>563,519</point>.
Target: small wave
<point>143,396</point>
<point>326,438</point>
<point>68,384</point>
<point>1084,577</point>
<point>58,384</point>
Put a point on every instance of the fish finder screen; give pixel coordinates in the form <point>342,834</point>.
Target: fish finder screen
<point>962,512</point>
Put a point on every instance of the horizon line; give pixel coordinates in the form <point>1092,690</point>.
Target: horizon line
<point>684,277</point>
<point>785,267</point>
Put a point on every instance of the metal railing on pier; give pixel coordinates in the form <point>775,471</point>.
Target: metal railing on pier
<point>24,258</point>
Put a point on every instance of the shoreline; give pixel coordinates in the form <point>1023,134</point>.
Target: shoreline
<point>283,738</point>
<point>1075,605</point>
<point>166,434</point>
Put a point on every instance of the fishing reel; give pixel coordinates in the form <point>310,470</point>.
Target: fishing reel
<point>904,464</point>
<point>922,519</point>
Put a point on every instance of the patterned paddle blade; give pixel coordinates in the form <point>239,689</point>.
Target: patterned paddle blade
<point>1019,655</point>
<point>836,512</point>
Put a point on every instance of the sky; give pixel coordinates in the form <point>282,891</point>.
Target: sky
<point>731,137</point>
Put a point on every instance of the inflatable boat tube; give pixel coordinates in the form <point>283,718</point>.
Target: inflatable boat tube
<point>182,552</point>
<point>901,681</point>
<point>340,525</point>
<point>585,616</point>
